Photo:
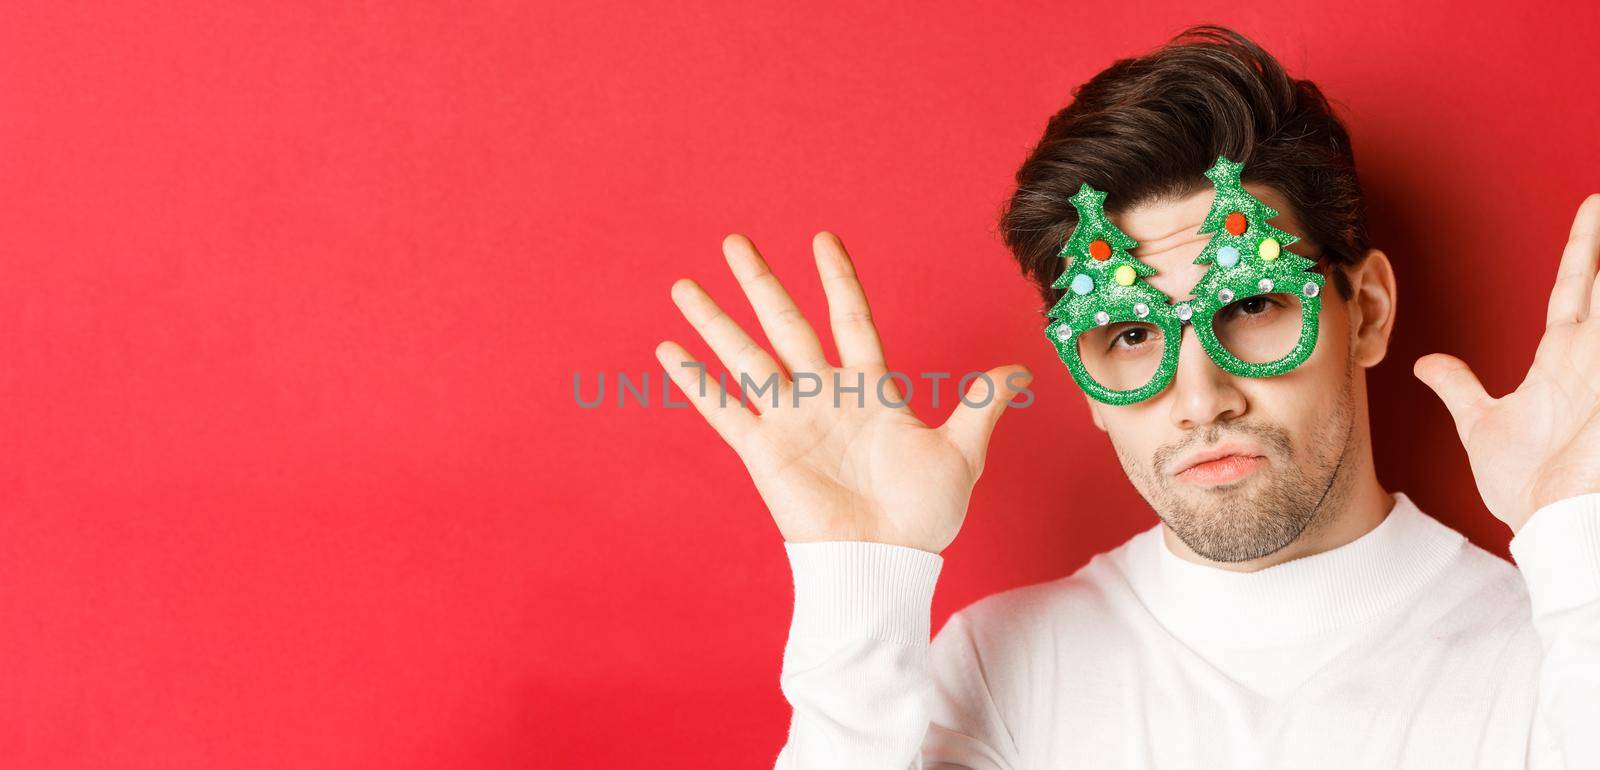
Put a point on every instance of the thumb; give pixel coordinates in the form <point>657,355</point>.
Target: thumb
<point>970,425</point>
<point>1455,384</point>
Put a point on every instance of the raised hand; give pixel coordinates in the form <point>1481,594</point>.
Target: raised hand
<point>834,464</point>
<point>1540,443</point>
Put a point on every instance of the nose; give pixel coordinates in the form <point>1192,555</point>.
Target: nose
<point>1201,391</point>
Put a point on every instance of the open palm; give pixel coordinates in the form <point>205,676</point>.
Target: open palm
<point>1540,443</point>
<point>833,453</point>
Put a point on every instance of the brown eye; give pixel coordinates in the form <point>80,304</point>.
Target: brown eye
<point>1134,336</point>
<point>1258,305</point>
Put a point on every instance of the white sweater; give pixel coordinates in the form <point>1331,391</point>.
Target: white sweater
<point>1409,647</point>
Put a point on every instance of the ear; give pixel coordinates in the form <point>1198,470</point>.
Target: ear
<point>1372,307</point>
<point>1094,412</point>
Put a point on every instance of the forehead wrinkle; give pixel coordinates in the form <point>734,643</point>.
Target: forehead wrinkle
<point>1176,243</point>
<point>1165,223</point>
<point>1159,246</point>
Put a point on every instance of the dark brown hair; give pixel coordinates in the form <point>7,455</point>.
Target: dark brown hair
<point>1147,128</point>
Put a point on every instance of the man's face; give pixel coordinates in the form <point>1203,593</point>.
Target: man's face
<point>1290,432</point>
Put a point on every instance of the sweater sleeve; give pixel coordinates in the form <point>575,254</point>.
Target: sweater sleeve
<point>867,688</point>
<point>1558,552</point>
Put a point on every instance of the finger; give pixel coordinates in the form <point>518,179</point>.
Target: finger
<point>973,421</point>
<point>792,337</point>
<point>853,331</point>
<point>740,354</point>
<point>1573,298</point>
<point>1455,384</point>
<point>727,416</point>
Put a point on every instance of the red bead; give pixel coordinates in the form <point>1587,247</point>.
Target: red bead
<point>1100,250</point>
<point>1236,223</point>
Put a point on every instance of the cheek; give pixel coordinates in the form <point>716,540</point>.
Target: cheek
<point>1285,411</point>
<point>1319,380</point>
<point>1333,338</point>
<point>1303,409</point>
<point>1131,438</point>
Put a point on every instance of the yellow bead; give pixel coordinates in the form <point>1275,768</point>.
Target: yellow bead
<point>1269,249</point>
<point>1125,275</point>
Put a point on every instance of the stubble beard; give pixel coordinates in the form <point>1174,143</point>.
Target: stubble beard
<point>1263,512</point>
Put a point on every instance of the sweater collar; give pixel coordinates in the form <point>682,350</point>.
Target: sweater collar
<point>1311,595</point>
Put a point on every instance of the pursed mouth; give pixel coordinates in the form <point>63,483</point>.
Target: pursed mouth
<point>1223,470</point>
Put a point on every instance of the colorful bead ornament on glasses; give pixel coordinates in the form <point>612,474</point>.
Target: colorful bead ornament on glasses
<point>1247,256</point>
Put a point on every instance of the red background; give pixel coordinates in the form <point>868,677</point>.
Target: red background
<point>292,299</point>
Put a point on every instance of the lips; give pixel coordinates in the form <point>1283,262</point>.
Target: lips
<point>1218,452</point>
<point>1223,472</point>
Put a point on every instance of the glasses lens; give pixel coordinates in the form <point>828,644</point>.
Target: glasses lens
<point>1123,355</point>
<point>1261,328</point>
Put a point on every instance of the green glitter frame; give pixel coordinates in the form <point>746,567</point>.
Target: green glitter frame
<point>1110,302</point>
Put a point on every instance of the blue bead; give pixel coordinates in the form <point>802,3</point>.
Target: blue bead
<point>1082,284</point>
<point>1227,256</point>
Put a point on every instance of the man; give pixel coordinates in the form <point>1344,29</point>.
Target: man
<point>1287,611</point>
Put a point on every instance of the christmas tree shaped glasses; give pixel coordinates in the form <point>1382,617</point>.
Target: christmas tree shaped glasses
<point>1254,311</point>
